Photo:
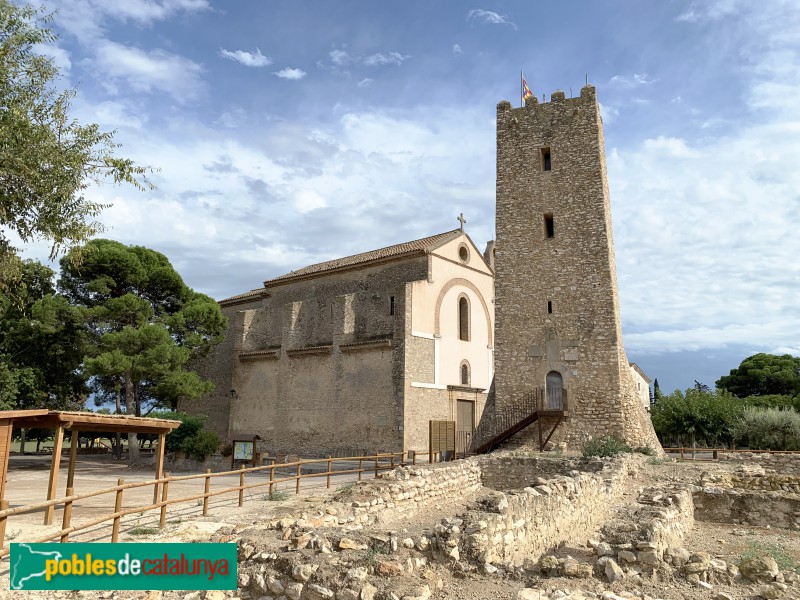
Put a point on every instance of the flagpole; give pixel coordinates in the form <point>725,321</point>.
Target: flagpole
<point>521,89</point>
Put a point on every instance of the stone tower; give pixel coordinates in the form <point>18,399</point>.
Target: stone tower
<point>556,306</point>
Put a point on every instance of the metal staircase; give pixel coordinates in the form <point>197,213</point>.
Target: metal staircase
<point>546,407</point>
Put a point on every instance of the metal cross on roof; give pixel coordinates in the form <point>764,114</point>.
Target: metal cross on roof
<point>462,220</point>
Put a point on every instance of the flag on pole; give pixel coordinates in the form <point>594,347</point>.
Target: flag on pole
<point>526,91</point>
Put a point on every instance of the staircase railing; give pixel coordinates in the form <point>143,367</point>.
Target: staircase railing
<point>499,423</point>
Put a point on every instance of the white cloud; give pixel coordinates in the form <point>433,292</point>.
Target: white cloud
<point>609,113</point>
<point>488,16</point>
<point>339,57</point>
<point>116,115</point>
<point>631,81</point>
<point>232,118</point>
<point>366,82</point>
<point>389,58</point>
<point>86,19</point>
<point>149,71</point>
<point>457,49</point>
<point>248,59</point>
<point>293,74</point>
<point>305,201</point>
<point>302,192</point>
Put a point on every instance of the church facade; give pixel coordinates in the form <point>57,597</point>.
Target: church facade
<point>357,354</point>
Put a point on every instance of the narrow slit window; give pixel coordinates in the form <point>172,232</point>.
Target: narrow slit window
<point>463,319</point>
<point>549,226</point>
<point>465,373</point>
<point>391,305</point>
<point>546,164</point>
<point>550,307</point>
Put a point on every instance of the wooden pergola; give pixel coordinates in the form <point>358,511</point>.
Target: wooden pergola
<point>75,422</point>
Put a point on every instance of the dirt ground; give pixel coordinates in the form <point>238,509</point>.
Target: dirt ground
<point>27,482</point>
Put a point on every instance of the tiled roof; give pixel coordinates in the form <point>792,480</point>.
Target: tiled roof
<point>251,295</point>
<point>398,250</point>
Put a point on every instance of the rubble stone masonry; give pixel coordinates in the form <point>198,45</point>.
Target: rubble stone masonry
<point>556,303</point>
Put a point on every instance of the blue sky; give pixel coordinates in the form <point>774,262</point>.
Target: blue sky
<point>290,133</point>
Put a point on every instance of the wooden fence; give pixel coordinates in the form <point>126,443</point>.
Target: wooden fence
<point>366,464</point>
<point>689,453</point>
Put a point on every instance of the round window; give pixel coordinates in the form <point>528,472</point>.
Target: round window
<point>463,253</point>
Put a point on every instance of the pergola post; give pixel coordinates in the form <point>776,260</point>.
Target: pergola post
<point>54,464</point>
<point>73,455</point>
<point>162,442</point>
<point>6,425</point>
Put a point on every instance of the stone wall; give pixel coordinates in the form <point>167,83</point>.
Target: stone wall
<point>745,507</point>
<point>515,472</point>
<point>558,504</point>
<point>516,527</point>
<point>779,463</point>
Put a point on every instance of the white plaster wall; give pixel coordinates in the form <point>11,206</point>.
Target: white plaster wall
<point>435,314</point>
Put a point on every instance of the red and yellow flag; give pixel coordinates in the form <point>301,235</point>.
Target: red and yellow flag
<point>526,91</point>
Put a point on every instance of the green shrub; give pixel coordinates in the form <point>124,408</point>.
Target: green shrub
<point>605,446</point>
<point>277,496</point>
<point>769,429</point>
<point>190,426</point>
<point>646,450</point>
<point>201,445</point>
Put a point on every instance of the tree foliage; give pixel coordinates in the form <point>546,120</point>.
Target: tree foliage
<point>145,322</point>
<point>42,344</point>
<point>697,416</point>
<point>47,158</point>
<point>763,375</point>
<point>769,429</point>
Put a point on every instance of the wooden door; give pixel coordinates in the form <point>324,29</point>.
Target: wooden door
<point>465,424</point>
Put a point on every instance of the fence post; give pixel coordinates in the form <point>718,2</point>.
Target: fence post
<point>117,508</point>
<point>271,475</point>
<point>360,465</point>
<point>297,478</point>
<point>391,460</point>
<point>162,522</point>
<point>67,515</point>
<point>241,485</point>
<point>682,457</point>
<point>206,491</point>
<point>329,472</point>
<point>413,457</point>
<point>376,464</point>
<point>3,506</point>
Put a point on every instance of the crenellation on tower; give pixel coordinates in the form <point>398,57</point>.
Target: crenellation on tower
<point>557,308</point>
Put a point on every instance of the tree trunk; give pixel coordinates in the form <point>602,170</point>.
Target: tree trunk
<point>117,445</point>
<point>130,408</point>
<point>22,442</point>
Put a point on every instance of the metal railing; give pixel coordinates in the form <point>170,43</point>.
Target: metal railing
<point>495,421</point>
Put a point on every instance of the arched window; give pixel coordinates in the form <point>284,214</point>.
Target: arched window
<point>463,318</point>
<point>464,372</point>
<point>555,391</point>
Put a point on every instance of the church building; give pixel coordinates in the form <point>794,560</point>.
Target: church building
<point>358,354</point>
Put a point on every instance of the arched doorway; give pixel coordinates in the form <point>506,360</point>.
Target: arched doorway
<point>555,391</point>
